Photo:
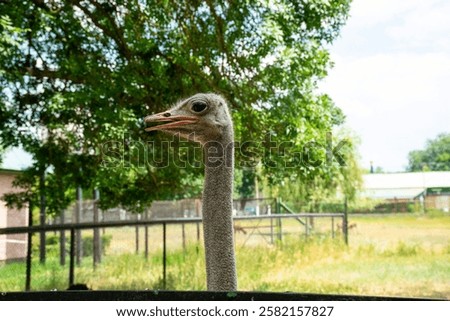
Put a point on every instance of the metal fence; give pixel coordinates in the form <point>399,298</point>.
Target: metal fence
<point>393,206</point>
<point>85,242</point>
<point>85,210</point>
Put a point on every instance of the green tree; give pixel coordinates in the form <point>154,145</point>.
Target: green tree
<point>79,76</point>
<point>339,180</point>
<point>9,39</point>
<point>435,156</point>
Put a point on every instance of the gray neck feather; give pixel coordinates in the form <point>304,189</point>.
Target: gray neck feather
<point>217,213</point>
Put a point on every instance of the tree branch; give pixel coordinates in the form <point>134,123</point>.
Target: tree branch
<point>219,29</point>
<point>114,33</point>
<point>41,4</point>
<point>48,73</point>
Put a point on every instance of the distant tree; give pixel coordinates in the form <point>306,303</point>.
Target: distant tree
<point>8,42</point>
<point>246,188</point>
<point>435,156</point>
<point>77,78</point>
<point>344,180</point>
<point>379,170</point>
<point>376,170</point>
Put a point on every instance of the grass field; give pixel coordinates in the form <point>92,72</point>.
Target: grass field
<point>390,255</point>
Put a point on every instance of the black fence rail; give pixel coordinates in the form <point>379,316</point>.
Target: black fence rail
<point>272,231</point>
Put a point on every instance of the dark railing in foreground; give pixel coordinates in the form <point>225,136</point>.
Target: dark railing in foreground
<point>73,227</point>
<point>151,295</point>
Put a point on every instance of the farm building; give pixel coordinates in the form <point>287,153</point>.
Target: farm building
<point>12,246</point>
<point>431,189</point>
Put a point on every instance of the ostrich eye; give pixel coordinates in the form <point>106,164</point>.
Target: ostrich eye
<point>198,107</point>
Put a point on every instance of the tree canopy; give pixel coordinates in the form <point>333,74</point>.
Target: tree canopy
<point>435,156</point>
<point>78,77</point>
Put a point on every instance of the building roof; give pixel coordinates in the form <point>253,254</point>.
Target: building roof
<point>9,171</point>
<point>403,185</point>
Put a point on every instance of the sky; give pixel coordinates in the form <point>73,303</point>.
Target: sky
<point>392,77</point>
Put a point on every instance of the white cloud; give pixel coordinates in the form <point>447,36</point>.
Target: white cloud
<point>391,76</point>
<point>385,81</point>
<point>393,101</point>
<point>367,13</point>
<point>426,26</point>
<point>397,25</point>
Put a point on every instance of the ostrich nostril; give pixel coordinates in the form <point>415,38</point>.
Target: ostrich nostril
<point>166,114</point>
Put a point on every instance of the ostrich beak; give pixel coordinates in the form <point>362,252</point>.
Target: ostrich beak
<point>173,121</point>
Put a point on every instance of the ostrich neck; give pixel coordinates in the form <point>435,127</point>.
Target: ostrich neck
<point>217,214</point>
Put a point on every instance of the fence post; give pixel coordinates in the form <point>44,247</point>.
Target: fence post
<point>97,242</point>
<point>198,237</point>
<point>29,248</point>
<point>146,235</point>
<point>183,237</point>
<point>62,241</point>
<point>72,258</point>
<point>280,230</point>
<point>278,211</point>
<point>42,217</point>
<point>306,228</point>
<point>79,209</point>
<point>278,205</point>
<point>198,214</point>
<point>271,230</point>
<point>137,237</point>
<point>164,256</point>
<point>345,222</point>
<point>332,227</point>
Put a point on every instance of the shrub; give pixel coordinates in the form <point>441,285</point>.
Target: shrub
<point>433,212</point>
<point>88,244</point>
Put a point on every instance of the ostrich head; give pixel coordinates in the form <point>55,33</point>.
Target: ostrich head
<point>200,118</point>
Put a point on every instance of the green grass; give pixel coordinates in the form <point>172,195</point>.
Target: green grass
<point>327,267</point>
<point>395,255</point>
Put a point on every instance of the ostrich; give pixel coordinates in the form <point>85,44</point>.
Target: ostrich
<point>205,119</point>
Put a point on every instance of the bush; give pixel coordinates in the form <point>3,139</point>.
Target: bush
<point>51,239</point>
<point>51,244</point>
<point>88,244</point>
<point>436,213</point>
